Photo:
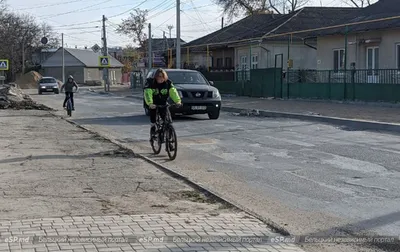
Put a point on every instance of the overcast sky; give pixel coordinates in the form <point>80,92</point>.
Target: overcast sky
<point>79,20</point>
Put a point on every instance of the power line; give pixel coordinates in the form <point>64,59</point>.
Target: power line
<point>50,5</point>
<point>73,11</point>
<point>122,13</point>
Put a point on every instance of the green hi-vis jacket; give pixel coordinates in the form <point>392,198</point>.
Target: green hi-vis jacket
<point>158,94</point>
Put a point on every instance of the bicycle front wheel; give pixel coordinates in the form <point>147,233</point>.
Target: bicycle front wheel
<point>155,141</point>
<point>171,142</point>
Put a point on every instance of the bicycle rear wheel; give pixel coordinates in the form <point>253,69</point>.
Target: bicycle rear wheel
<point>171,142</point>
<point>155,141</point>
<point>69,108</point>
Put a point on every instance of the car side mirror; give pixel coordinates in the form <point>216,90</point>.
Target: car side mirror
<point>212,83</point>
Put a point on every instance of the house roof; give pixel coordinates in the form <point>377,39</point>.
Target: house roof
<point>379,10</point>
<point>261,24</point>
<point>309,18</point>
<point>90,58</point>
<point>162,44</point>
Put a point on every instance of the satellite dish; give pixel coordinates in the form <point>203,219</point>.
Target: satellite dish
<point>44,40</point>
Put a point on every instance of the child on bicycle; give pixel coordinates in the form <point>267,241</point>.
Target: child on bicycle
<point>156,92</point>
<point>69,90</point>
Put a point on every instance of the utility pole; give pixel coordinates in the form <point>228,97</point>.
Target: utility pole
<point>170,27</point>
<point>222,23</point>
<point>105,53</point>
<point>23,55</point>
<point>178,34</point>
<point>150,57</point>
<point>63,58</point>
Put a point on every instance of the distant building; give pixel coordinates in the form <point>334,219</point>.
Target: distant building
<point>82,64</point>
<point>42,55</point>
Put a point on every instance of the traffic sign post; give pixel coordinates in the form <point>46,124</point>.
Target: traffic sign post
<point>4,66</point>
<point>104,61</point>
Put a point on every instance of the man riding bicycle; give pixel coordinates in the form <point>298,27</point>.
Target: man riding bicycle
<point>69,90</point>
<point>156,92</point>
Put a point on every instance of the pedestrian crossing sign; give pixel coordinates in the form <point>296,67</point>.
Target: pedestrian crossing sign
<point>104,61</point>
<point>4,65</point>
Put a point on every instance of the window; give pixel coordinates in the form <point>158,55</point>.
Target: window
<point>372,58</point>
<point>398,56</point>
<point>254,61</point>
<point>228,62</point>
<point>243,62</point>
<point>181,77</point>
<point>219,62</point>
<point>48,80</point>
<point>338,59</point>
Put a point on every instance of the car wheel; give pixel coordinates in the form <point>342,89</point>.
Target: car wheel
<point>213,115</point>
<point>40,92</point>
<point>57,91</point>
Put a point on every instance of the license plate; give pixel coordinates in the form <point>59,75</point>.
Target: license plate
<point>199,107</point>
<point>49,89</point>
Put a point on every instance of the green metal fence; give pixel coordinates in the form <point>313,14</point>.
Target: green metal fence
<point>379,76</point>
<point>362,85</point>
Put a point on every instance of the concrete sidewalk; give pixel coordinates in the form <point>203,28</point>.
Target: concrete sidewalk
<point>58,180</point>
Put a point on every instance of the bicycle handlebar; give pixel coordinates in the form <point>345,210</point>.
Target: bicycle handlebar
<point>167,105</point>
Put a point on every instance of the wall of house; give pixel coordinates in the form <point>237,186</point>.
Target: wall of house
<point>357,52</point>
<point>198,59</point>
<point>95,74</point>
<point>56,72</point>
<point>222,55</point>
<point>303,56</point>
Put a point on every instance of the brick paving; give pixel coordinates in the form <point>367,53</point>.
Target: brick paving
<point>139,233</point>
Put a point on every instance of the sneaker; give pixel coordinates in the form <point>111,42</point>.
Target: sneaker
<point>73,109</point>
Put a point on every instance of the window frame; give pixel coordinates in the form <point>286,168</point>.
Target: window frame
<point>254,62</point>
<point>397,49</point>
<point>338,68</point>
<point>243,63</point>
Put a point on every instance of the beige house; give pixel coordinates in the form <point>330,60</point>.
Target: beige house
<point>254,42</point>
<point>370,46</point>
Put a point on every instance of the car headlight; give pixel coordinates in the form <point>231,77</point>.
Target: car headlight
<point>180,93</point>
<point>55,87</point>
<point>42,87</point>
<point>216,94</point>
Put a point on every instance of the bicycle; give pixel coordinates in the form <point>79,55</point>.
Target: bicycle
<point>69,105</point>
<point>164,132</point>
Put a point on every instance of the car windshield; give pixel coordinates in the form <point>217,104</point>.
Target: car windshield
<point>48,80</point>
<point>186,78</point>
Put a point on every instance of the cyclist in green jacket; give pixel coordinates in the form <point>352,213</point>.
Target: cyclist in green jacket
<point>156,92</point>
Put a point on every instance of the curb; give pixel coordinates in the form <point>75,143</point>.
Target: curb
<point>198,186</point>
<point>351,123</point>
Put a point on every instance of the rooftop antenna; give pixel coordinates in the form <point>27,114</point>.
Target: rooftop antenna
<point>170,27</point>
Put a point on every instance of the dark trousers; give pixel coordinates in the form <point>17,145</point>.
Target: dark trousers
<point>153,114</point>
<point>69,94</point>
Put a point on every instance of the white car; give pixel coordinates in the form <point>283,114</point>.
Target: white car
<point>48,84</point>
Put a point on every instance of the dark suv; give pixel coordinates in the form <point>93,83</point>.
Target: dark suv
<point>197,93</point>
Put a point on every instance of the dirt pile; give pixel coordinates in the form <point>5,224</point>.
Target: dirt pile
<point>12,97</point>
<point>29,80</point>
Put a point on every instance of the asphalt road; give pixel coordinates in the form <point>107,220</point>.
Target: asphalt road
<point>308,177</point>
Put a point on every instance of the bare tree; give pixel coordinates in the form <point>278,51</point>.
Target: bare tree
<point>359,3</point>
<point>18,33</point>
<point>51,35</point>
<point>134,27</point>
<point>233,8</point>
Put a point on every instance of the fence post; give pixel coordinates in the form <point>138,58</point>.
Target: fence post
<point>329,85</point>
